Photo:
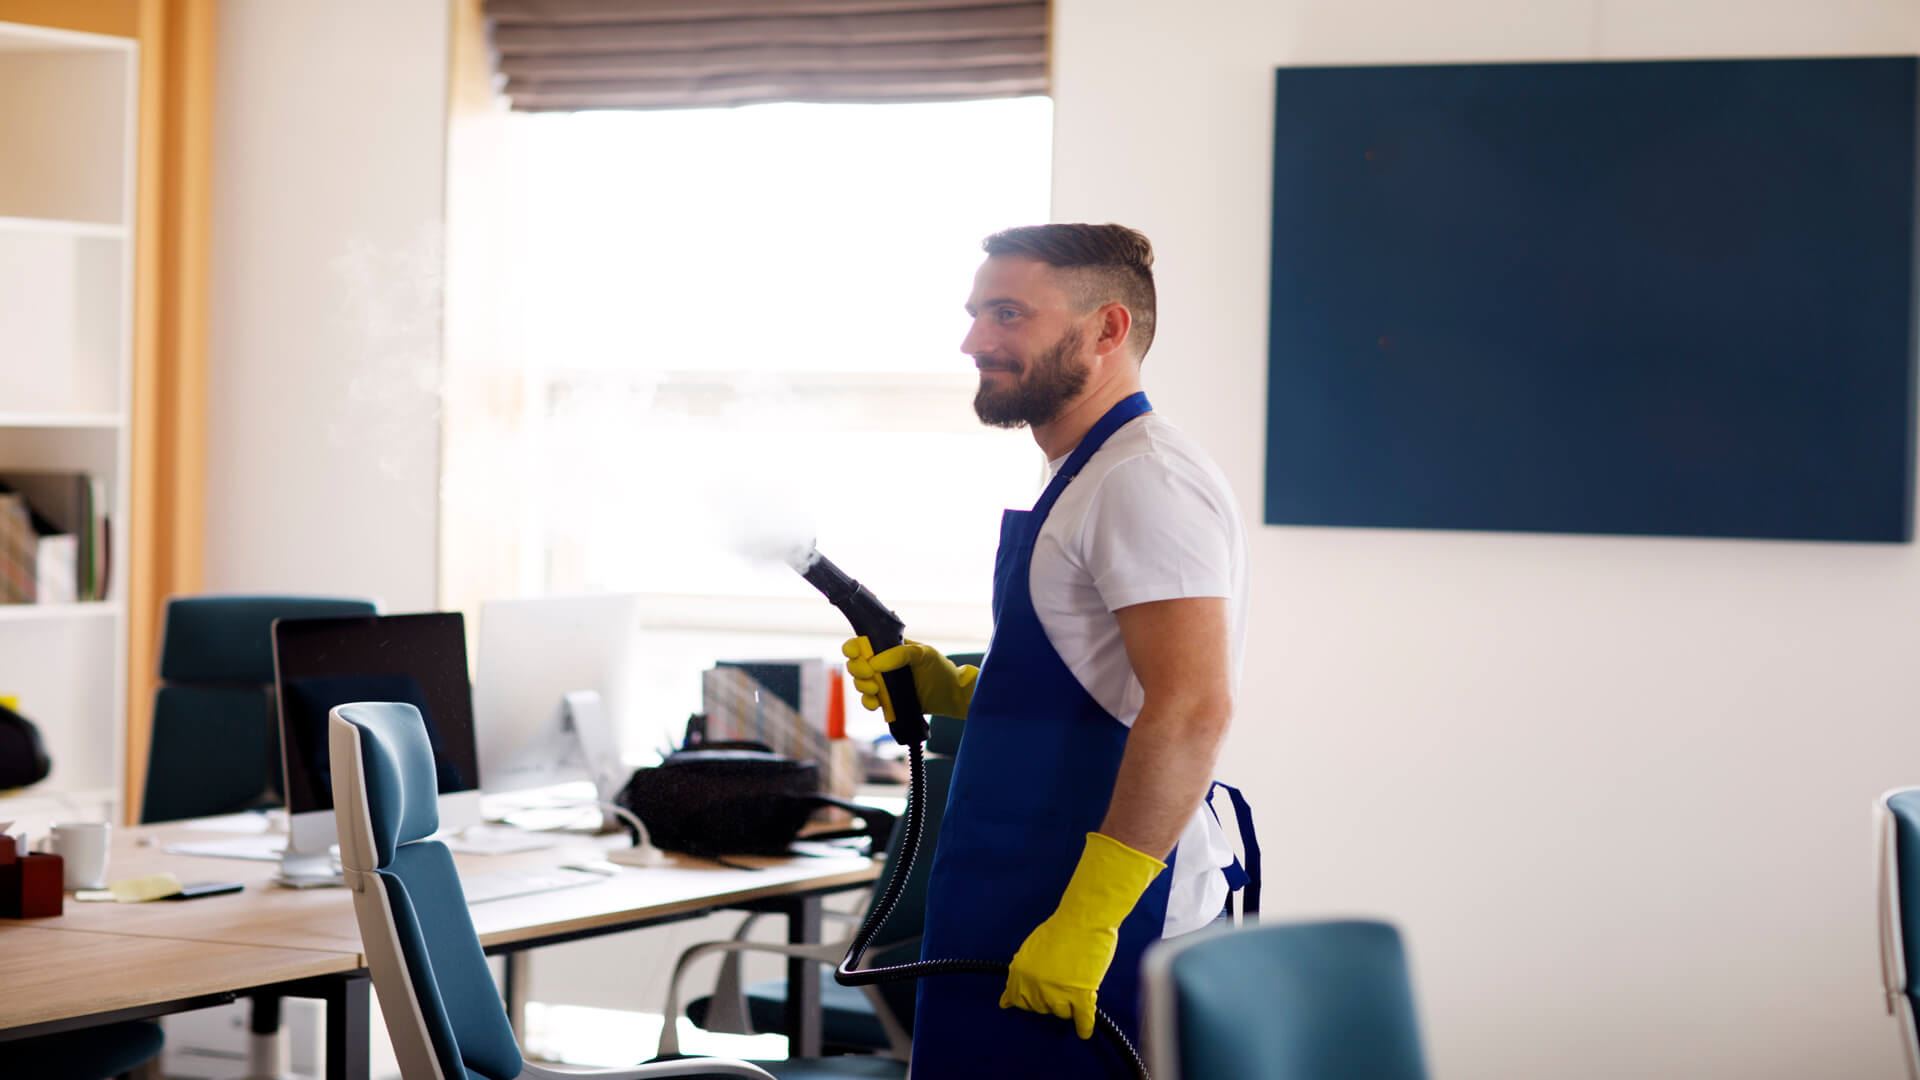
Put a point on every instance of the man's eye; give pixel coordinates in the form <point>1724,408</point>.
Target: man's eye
<point>1006,315</point>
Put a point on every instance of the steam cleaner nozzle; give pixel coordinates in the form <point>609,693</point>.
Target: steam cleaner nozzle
<point>883,630</point>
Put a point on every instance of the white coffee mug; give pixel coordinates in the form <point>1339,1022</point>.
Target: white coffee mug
<point>82,847</point>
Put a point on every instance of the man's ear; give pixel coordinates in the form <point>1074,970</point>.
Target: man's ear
<point>1116,323</point>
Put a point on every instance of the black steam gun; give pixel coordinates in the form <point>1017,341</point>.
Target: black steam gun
<point>881,627</point>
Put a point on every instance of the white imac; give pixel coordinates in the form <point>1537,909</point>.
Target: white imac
<point>321,663</point>
<point>555,683</point>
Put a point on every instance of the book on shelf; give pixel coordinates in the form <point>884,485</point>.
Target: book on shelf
<point>63,550</point>
<point>18,547</point>
<point>56,569</point>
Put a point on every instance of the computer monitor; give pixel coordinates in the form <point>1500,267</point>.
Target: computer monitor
<point>542,660</point>
<point>321,663</point>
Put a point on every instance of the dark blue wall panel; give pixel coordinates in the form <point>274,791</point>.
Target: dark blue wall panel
<point>1655,298</point>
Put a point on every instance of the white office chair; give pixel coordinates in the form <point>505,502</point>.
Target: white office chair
<point>442,1009</point>
<point>1897,817</point>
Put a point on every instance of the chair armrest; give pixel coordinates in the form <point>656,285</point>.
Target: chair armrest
<point>727,1005</point>
<point>658,1069</point>
<point>728,1008</point>
<point>829,953</point>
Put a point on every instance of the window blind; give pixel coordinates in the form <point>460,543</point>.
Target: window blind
<point>565,55</point>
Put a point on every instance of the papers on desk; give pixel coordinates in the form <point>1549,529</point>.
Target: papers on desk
<point>269,847</point>
<point>494,840</point>
<point>136,890</point>
<point>244,821</point>
<point>480,888</point>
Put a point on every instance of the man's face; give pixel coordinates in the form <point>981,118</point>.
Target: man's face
<point>1027,342</point>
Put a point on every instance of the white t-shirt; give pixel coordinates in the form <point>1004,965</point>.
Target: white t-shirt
<point>1149,518</point>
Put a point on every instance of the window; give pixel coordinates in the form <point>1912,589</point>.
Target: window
<point>699,331</point>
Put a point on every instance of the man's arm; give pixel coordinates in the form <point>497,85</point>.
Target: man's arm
<point>1180,652</point>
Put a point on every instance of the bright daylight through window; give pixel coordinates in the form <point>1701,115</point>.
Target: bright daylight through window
<point>699,327</point>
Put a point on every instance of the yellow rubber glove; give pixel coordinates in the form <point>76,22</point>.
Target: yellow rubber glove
<point>1057,972</point>
<point>945,688</point>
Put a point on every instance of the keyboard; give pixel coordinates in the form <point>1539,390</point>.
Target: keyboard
<point>261,847</point>
<point>499,885</point>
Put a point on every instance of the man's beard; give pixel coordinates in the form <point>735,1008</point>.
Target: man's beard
<point>1050,382</point>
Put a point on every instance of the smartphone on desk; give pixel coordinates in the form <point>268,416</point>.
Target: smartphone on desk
<point>197,889</point>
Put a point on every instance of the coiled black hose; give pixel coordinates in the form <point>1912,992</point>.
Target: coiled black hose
<point>850,973</point>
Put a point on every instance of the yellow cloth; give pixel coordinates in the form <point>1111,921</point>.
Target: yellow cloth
<point>945,688</point>
<point>1057,972</point>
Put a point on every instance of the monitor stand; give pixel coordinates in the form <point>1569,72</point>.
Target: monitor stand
<point>586,715</point>
<point>306,869</point>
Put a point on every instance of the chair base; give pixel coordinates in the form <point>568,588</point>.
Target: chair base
<point>843,1067</point>
<point>105,1051</point>
<point>268,1056</point>
<point>847,1020</point>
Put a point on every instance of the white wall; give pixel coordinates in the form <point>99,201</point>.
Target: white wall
<point>1615,791</point>
<point>328,198</point>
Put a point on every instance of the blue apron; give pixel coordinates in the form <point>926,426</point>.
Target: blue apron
<point>1034,775</point>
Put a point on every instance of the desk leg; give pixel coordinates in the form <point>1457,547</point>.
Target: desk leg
<point>347,1032</point>
<point>803,980</point>
<point>514,992</point>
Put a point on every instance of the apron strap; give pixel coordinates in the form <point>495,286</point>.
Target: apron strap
<point>1113,420</point>
<point>1241,877</point>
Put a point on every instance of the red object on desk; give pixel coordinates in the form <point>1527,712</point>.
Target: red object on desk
<point>9,878</point>
<point>836,705</point>
<point>30,883</point>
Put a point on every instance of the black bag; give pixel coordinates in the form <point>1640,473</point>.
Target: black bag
<point>23,757</point>
<point>737,799</point>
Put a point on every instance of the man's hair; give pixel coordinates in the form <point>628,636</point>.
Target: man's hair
<point>1109,264</point>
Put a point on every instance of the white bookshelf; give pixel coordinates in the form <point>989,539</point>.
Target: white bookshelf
<point>63,228</point>
<point>106,421</point>
<point>33,612</point>
<point>68,130</point>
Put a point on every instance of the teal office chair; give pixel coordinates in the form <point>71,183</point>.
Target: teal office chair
<point>1897,829</point>
<point>1282,1001</point>
<point>853,1019</point>
<point>443,1012</point>
<point>216,740</point>
<point>95,1053</point>
<point>215,747</point>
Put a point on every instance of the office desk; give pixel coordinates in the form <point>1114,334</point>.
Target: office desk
<point>53,977</point>
<point>305,942</point>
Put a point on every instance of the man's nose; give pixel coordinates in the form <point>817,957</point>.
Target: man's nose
<point>975,343</point>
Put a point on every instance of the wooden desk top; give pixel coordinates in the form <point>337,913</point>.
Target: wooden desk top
<point>263,914</point>
<point>57,974</point>
<point>684,886</point>
<point>267,915</point>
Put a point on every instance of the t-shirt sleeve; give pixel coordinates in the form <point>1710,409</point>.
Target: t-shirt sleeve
<point>1154,532</point>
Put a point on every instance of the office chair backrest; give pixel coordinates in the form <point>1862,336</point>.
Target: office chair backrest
<point>216,746</point>
<point>1897,828</point>
<point>1283,1001</point>
<point>442,1010</point>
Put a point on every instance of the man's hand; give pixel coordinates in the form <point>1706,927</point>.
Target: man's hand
<point>1057,972</point>
<point>945,689</point>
